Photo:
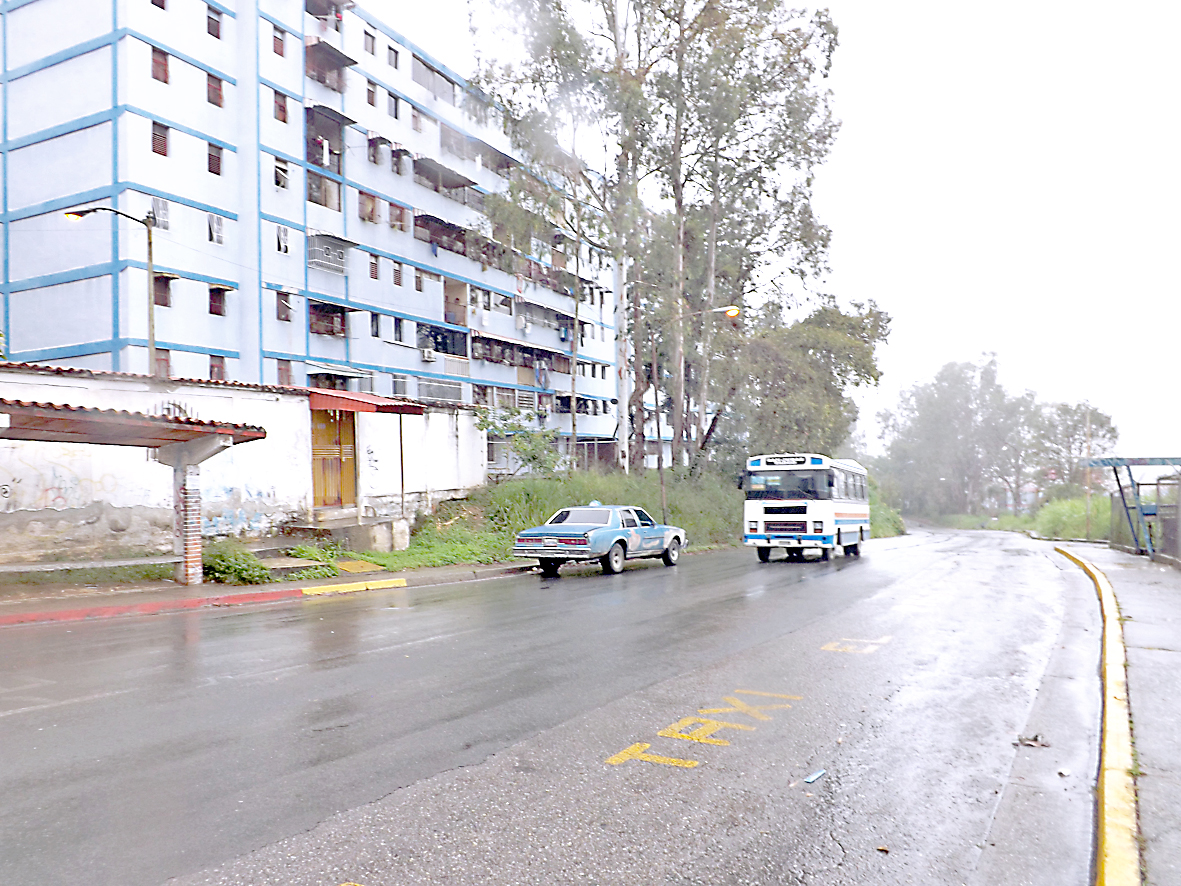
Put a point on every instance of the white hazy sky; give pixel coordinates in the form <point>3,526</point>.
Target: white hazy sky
<point>1007,179</point>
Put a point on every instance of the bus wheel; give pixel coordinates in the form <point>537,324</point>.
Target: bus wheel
<point>764,554</point>
<point>824,554</point>
<point>855,550</point>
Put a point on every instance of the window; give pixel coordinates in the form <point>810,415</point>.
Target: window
<point>280,173</point>
<point>371,93</point>
<point>217,301</point>
<point>325,319</point>
<point>160,213</point>
<point>160,139</point>
<point>417,280</point>
<point>398,216</point>
<point>283,306</point>
<point>215,160</point>
<point>280,35</point>
<point>217,367</point>
<point>415,120</point>
<point>281,239</point>
<point>392,56</point>
<point>280,107</point>
<point>391,105</point>
<point>284,372</point>
<point>398,275</point>
<point>163,363</point>
<point>398,330</point>
<point>215,228</point>
<point>159,65</point>
<point>373,266</point>
<point>367,207</point>
<point>213,91</point>
<point>213,22</point>
<point>162,290</point>
<point>323,191</point>
<point>375,325</point>
<point>370,43</point>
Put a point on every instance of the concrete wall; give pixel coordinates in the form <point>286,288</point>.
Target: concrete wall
<point>76,501</point>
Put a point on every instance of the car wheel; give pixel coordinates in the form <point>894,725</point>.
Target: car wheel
<point>764,554</point>
<point>672,553</point>
<point>613,560</point>
<point>549,568</point>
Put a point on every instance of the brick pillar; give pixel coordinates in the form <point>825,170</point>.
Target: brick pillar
<point>186,488</point>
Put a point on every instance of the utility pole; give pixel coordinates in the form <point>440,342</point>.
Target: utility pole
<point>1088,469</point>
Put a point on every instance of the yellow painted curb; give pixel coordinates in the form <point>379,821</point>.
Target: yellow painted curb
<point>1117,861</point>
<point>350,587</point>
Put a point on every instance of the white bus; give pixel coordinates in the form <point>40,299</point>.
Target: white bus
<point>797,501</point>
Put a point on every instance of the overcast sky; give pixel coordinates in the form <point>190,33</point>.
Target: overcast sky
<point>1006,179</point>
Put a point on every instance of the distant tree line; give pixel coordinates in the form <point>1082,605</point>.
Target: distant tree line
<point>962,444</point>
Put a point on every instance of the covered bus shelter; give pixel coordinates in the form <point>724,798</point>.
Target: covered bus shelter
<point>1138,512</point>
<point>182,443</point>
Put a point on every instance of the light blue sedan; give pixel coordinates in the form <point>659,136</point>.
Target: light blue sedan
<point>610,534</point>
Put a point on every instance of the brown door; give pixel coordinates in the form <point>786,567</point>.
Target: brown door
<point>334,459</point>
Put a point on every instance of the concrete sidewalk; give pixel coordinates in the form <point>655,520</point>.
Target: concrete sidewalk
<point>48,603</point>
<point>1149,597</point>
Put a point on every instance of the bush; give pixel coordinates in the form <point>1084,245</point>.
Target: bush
<point>1068,518</point>
<point>884,521</point>
<point>228,562</point>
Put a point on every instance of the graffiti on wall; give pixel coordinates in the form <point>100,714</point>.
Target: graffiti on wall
<point>52,482</point>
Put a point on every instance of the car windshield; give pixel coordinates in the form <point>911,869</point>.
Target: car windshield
<point>787,484</point>
<point>594,516</point>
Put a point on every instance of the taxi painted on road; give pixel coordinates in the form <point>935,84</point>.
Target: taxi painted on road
<point>610,534</point>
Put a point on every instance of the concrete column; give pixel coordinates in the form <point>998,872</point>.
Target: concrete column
<point>186,485</point>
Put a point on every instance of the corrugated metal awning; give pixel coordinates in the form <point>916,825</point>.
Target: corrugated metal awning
<point>55,423</point>
<point>355,401</point>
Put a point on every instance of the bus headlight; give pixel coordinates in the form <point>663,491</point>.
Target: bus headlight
<point>818,526</point>
<point>753,526</point>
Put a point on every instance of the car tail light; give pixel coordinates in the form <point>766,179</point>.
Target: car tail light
<point>573,541</point>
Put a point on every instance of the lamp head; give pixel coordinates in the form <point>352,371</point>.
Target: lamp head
<point>731,310</point>
<point>76,214</point>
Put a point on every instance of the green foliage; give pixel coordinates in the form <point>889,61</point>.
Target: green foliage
<point>325,570</point>
<point>884,521</point>
<point>324,553</point>
<point>228,562</point>
<point>535,448</point>
<point>96,575</point>
<point>1068,518</point>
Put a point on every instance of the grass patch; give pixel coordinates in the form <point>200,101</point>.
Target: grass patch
<point>97,575</point>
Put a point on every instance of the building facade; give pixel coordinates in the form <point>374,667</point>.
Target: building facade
<point>316,184</point>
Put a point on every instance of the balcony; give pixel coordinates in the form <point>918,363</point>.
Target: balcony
<point>326,64</point>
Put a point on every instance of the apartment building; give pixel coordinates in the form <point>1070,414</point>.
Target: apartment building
<point>315,184</point>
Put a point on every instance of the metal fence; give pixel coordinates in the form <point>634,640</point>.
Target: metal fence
<point>1159,502</point>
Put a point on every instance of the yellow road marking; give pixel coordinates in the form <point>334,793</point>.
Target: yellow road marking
<point>352,587</point>
<point>868,647</point>
<point>636,752</point>
<point>741,707</point>
<point>704,730</point>
<point>1118,856</point>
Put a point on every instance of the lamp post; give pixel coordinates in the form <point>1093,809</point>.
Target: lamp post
<point>149,222</point>
<point>729,311</point>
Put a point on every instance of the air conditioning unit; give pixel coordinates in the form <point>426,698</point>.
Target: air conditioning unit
<point>429,355</point>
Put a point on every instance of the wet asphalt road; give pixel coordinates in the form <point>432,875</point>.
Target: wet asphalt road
<point>462,734</point>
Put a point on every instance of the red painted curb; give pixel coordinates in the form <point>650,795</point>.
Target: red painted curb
<point>147,608</point>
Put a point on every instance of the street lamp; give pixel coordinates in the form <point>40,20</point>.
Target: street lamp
<point>149,222</point>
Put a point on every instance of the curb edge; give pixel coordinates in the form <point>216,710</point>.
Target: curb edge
<point>1117,858</point>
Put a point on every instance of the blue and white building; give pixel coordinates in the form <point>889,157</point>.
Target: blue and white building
<point>317,184</point>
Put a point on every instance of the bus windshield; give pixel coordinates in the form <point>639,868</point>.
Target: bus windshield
<point>787,484</point>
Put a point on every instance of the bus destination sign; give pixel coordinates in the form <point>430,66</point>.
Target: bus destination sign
<point>772,460</point>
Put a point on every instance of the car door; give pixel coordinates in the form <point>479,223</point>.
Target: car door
<point>631,531</point>
<point>651,533</point>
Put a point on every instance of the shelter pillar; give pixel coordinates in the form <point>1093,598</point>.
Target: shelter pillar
<point>186,488</point>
